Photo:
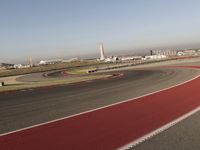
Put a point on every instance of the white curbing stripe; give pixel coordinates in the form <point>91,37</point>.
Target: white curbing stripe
<point>159,130</point>
<point>75,115</point>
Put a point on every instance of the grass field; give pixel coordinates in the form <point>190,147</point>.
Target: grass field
<point>51,67</point>
<point>80,71</point>
<point>28,85</point>
<point>2,70</point>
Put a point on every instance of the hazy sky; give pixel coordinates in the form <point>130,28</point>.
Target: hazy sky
<point>62,28</point>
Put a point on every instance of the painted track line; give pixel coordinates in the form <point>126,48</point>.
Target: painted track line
<point>159,130</point>
<point>107,106</point>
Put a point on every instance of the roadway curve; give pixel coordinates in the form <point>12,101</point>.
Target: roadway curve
<point>23,109</point>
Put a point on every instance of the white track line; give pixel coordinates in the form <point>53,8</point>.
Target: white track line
<point>159,130</point>
<point>75,115</point>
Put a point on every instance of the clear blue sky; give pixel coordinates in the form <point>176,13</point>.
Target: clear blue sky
<point>62,28</point>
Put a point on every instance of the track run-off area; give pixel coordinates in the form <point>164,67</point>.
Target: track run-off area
<point>112,126</point>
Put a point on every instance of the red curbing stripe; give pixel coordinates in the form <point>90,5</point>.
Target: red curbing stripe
<point>184,67</point>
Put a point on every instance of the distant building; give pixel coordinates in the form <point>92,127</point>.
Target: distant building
<point>180,53</point>
<point>20,66</point>
<point>187,52</point>
<point>17,66</point>
<point>53,61</point>
<point>165,52</point>
<point>190,52</point>
<point>71,59</point>
<point>155,57</point>
<point>112,59</point>
<point>129,58</point>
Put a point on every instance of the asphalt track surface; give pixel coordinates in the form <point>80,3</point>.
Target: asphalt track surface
<point>107,128</point>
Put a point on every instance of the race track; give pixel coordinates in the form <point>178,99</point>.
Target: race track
<point>108,128</point>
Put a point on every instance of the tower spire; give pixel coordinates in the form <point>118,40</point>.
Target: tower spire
<point>102,52</point>
<point>30,61</point>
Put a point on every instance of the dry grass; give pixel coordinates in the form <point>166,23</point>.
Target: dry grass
<point>28,85</point>
<point>44,68</point>
<point>3,70</point>
<point>80,71</point>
